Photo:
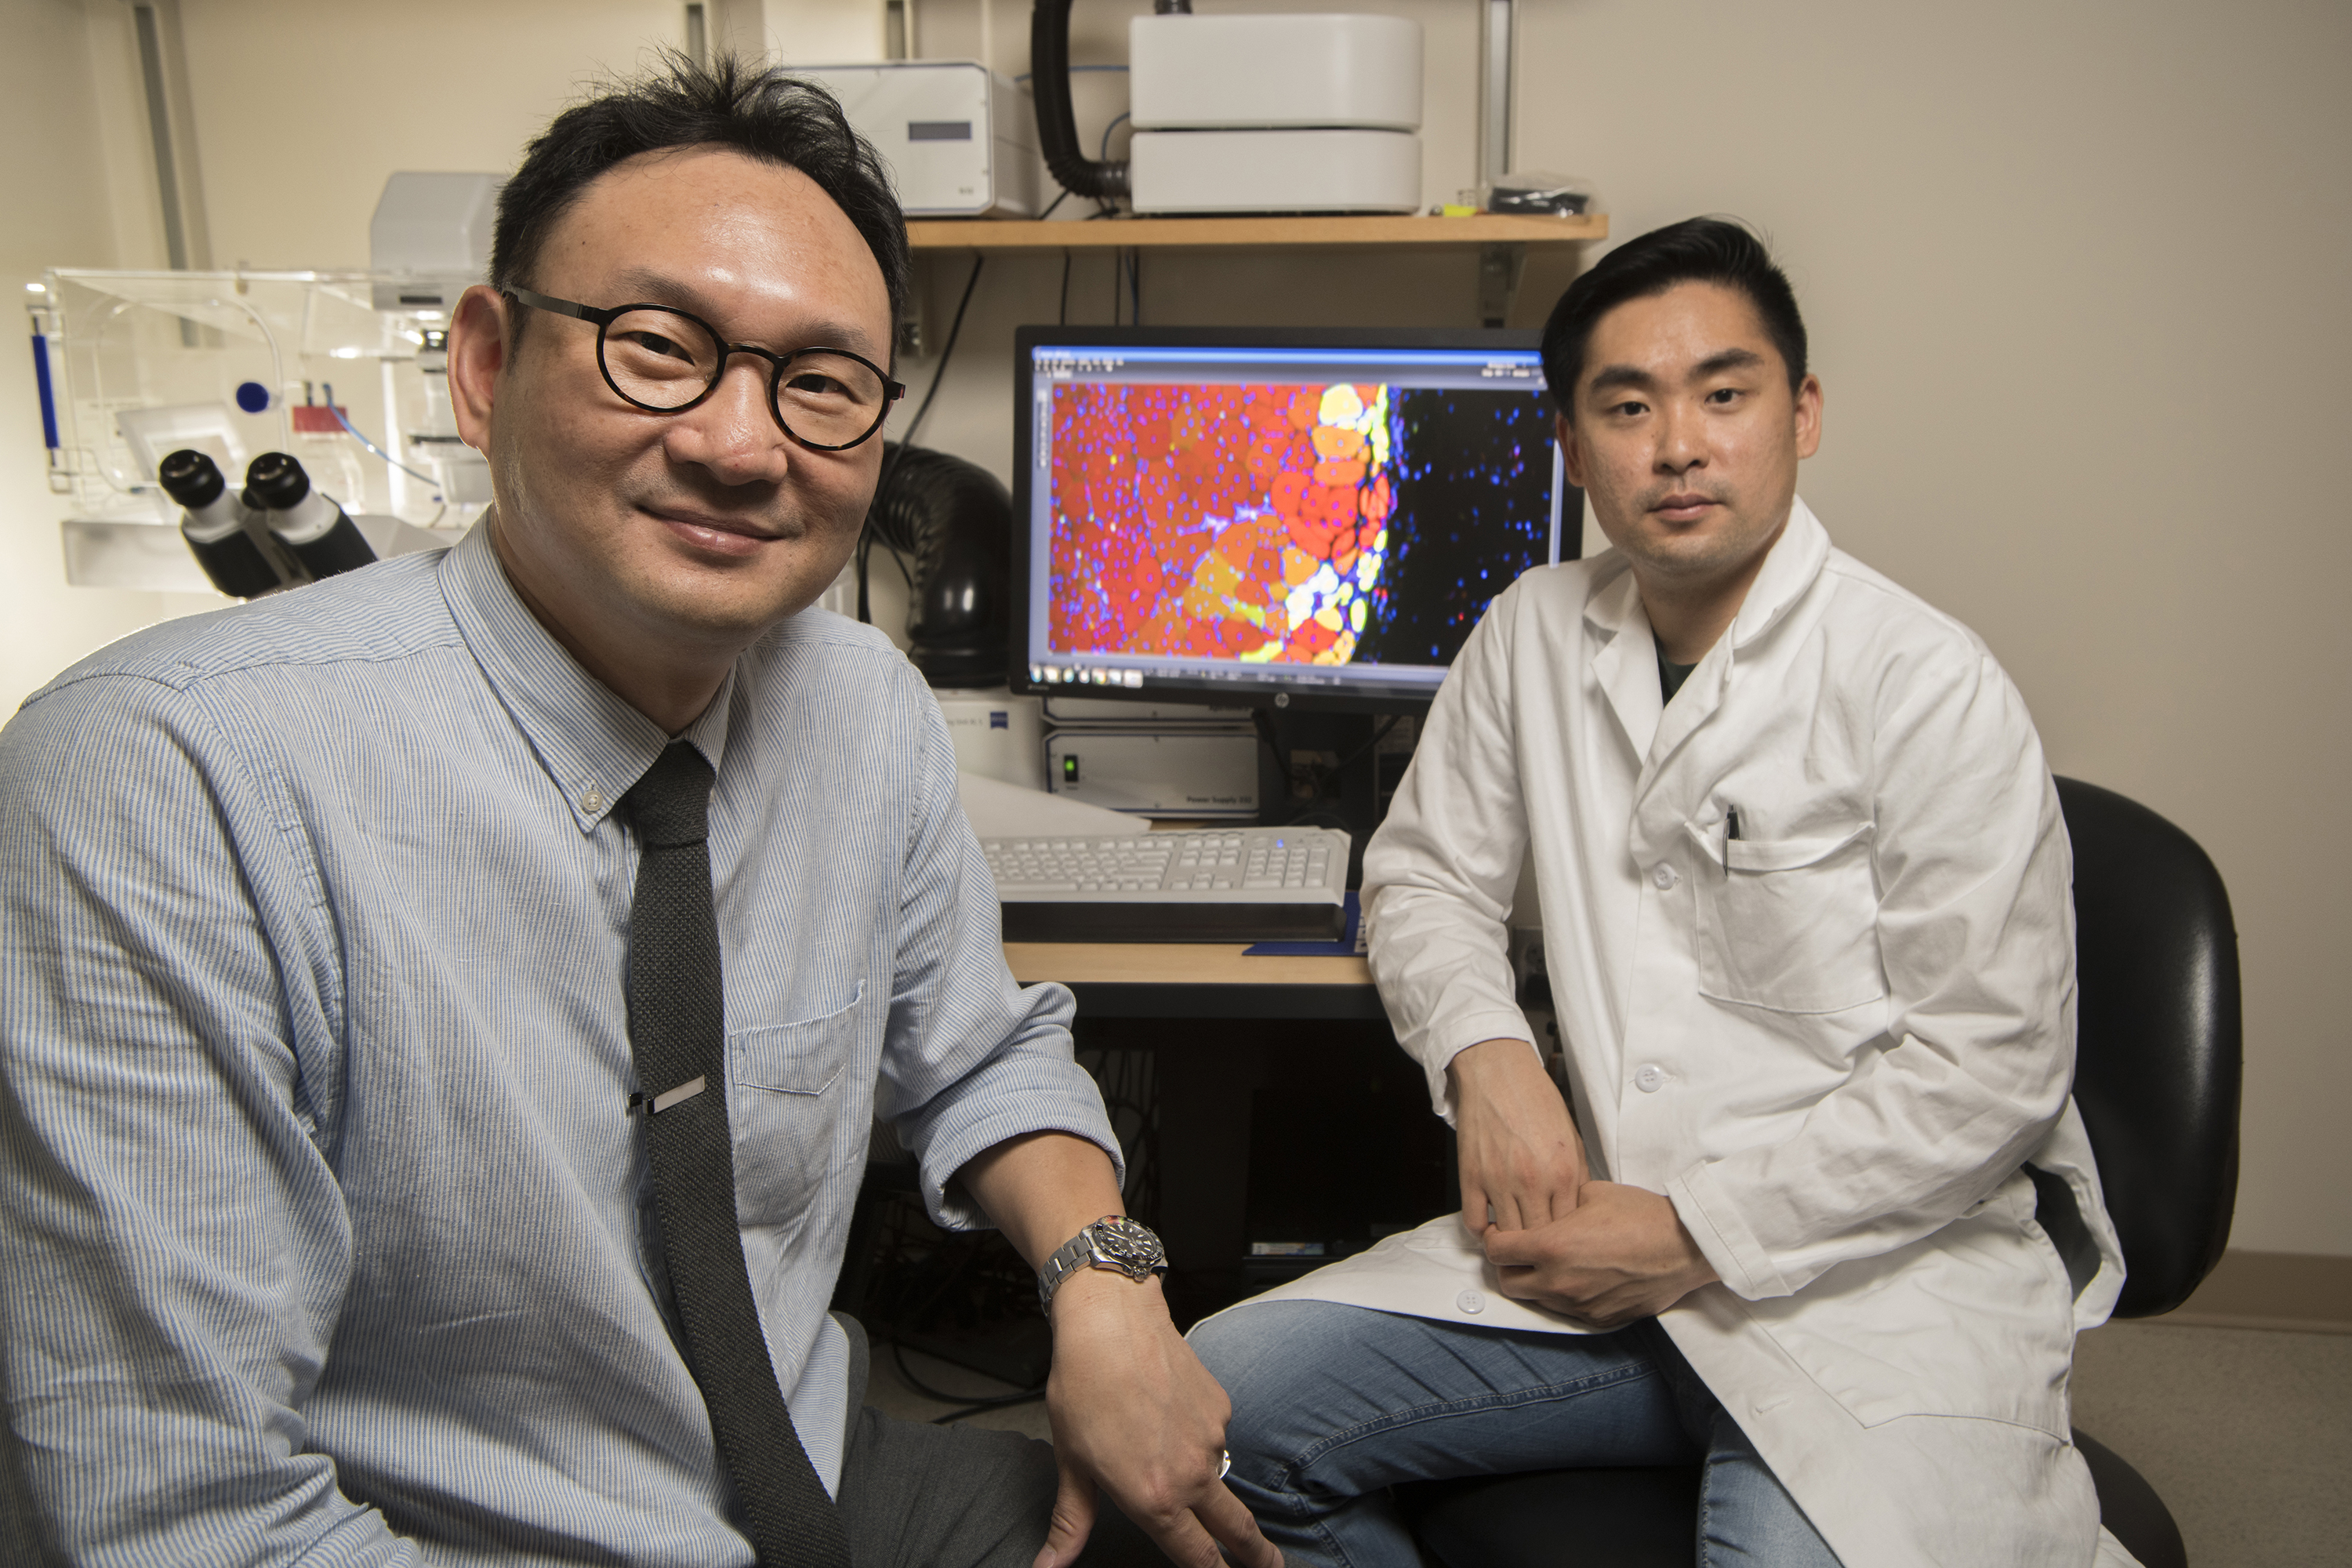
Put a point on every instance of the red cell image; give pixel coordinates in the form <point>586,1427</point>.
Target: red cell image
<point>1221,521</point>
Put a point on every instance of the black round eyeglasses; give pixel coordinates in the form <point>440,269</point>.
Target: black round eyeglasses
<point>666,361</point>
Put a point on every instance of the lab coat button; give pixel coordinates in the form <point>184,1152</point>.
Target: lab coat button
<point>1650,1079</point>
<point>1471,1300</point>
<point>1664,875</point>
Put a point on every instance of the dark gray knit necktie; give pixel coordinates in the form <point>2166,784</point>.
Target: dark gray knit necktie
<point>678,1032</point>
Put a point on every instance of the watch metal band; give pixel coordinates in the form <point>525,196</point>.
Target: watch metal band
<point>1114,1242</point>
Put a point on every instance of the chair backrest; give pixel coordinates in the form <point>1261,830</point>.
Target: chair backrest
<point>2158,1053</point>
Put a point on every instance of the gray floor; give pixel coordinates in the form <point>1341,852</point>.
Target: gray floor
<point>2247,1435</point>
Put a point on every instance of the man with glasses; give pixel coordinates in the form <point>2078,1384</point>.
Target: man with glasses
<point>444,1008</point>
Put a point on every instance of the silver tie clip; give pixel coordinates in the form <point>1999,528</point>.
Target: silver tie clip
<point>670,1097</point>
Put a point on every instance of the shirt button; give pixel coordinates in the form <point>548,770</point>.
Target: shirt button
<point>1471,1300</point>
<point>591,800</point>
<point>1650,1079</point>
<point>1664,875</point>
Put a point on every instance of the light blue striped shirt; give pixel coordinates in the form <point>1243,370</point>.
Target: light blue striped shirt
<point>326,1217</point>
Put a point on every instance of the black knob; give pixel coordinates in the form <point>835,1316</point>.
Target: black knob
<point>276,481</point>
<point>190,478</point>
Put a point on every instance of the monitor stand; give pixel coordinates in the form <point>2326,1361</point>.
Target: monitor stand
<point>1330,770</point>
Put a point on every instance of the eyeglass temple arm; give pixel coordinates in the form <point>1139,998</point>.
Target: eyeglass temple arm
<point>562,307</point>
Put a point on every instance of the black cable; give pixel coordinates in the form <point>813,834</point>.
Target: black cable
<point>1057,201</point>
<point>963,1259</point>
<point>987,1405</point>
<point>1125,1077</point>
<point>947,353</point>
<point>1378,736</point>
<point>1058,130</point>
<point>907,439</point>
<point>1063,318</point>
<point>1262,722</point>
<point>1135,287</point>
<point>971,1405</point>
<point>865,543</point>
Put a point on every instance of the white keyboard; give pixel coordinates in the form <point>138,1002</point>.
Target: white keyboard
<point>1249,884</point>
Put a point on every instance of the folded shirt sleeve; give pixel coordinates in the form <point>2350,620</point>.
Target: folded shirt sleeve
<point>973,1057</point>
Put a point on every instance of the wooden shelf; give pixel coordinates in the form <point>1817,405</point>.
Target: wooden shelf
<point>1206,233</point>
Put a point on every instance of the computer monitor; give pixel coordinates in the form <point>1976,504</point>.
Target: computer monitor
<point>1304,517</point>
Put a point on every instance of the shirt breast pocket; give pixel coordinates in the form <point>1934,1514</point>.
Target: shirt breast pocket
<point>797,1110</point>
<point>1790,924</point>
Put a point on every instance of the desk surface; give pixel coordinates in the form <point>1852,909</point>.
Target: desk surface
<point>1196,980</point>
<point>1174,963</point>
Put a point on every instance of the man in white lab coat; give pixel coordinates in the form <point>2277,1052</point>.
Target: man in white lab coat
<point>1804,889</point>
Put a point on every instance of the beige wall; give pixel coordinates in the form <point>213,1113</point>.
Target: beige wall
<point>2074,274</point>
<point>2071,270</point>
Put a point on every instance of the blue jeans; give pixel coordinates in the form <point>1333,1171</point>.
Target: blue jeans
<point>1334,1404</point>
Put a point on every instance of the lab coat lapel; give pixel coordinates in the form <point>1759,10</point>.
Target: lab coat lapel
<point>1658,815</point>
<point>1626,667</point>
<point>1701,695</point>
<point>1796,561</point>
<point>1793,565</point>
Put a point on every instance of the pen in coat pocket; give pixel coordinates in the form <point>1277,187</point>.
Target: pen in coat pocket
<point>1730,832</point>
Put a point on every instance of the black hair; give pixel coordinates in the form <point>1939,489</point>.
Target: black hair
<point>1695,250</point>
<point>762,111</point>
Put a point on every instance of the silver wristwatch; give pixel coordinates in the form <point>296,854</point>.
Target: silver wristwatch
<point>1112,1242</point>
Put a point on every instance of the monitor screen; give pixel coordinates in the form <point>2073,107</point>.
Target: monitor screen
<point>1265,517</point>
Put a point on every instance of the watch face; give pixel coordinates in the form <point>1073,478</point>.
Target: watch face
<point>1129,1245</point>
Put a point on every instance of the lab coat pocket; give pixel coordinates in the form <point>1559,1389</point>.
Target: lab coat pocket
<point>791,1112</point>
<point>1790,924</point>
<point>1975,1320</point>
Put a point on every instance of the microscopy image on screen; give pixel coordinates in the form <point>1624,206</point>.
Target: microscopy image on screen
<point>1323,523</point>
<point>1473,477</point>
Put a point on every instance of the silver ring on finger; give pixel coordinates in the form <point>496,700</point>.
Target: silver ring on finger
<point>1224,1462</point>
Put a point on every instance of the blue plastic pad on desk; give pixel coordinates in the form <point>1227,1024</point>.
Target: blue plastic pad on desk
<point>1351,945</point>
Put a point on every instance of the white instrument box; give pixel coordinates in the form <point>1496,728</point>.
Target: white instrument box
<point>961,140</point>
<point>1275,113</point>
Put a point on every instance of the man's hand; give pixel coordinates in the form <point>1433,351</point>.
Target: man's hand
<point>1133,1409</point>
<point>1520,1153</point>
<point>1135,1412</point>
<point>1621,1255</point>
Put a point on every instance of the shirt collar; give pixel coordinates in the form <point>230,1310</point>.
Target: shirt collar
<point>592,744</point>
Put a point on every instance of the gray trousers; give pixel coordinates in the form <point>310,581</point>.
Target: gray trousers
<point>918,1496</point>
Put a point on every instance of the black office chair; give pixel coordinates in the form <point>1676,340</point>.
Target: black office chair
<point>2156,1074</point>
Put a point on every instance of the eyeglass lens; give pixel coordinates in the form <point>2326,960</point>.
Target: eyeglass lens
<point>662,360</point>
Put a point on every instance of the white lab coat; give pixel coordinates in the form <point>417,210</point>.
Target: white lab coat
<point>1831,1040</point>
